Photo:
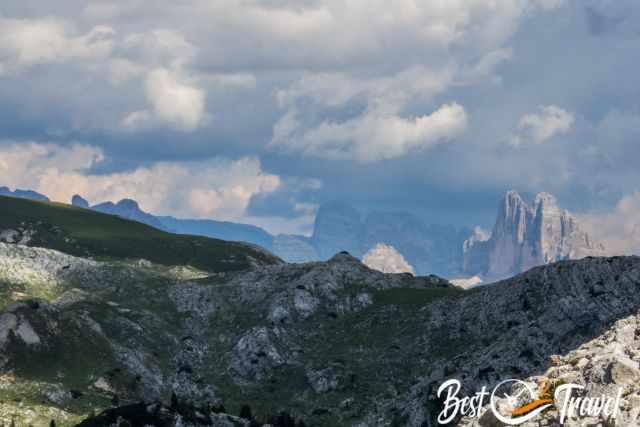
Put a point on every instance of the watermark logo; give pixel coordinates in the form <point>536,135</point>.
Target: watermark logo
<point>514,402</point>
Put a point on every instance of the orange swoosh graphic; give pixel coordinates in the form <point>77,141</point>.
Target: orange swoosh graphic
<point>530,407</point>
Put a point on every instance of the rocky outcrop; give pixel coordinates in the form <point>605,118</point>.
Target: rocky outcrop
<point>526,236</point>
<point>604,366</point>
<point>387,259</point>
<point>335,342</point>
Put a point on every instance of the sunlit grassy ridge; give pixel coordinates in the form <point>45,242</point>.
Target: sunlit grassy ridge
<point>82,232</point>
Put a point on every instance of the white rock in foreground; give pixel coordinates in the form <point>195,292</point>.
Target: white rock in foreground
<point>386,259</point>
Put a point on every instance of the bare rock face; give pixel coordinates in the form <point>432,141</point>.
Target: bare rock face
<point>387,259</point>
<point>339,343</point>
<point>525,236</point>
<point>254,354</point>
<point>604,366</point>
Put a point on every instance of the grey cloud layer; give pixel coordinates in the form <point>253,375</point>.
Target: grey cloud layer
<point>442,100</point>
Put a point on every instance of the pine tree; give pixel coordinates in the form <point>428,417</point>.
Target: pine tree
<point>174,401</point>
<point>283,420</point>
<point>245,412</point>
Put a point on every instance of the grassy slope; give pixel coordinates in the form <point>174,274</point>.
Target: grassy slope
<point>83,232</point>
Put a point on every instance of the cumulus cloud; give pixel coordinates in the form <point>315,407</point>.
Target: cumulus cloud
<point>216,188</point>
<point>324,67</point>
<point>538,128</point>
<point>198,48</point>
<point>331,32</point>
<point>379,134</point>
<point>174,102</point>
<point>40,41</point>
<point>334,89</point>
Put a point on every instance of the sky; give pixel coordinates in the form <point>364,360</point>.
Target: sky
<point>260,110</point>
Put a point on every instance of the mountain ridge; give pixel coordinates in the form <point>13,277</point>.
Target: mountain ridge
<point>291,336</point>
<point>523,236</point>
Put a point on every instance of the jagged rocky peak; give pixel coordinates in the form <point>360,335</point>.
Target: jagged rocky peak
<point>79,201</point>
<point>525,236</point>
<point>512,217</point>
<point>344,257</point>
<point>387,259</point>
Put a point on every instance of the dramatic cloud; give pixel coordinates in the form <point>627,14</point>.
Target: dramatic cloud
<point>451,101</point>
<point>538,128</point>
<point>216,188</point>
<point>41,41</point>
<point>378,134</point>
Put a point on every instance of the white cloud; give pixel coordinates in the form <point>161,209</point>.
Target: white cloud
<point>173,101</point>
<point>216,188</point>
<point>379,134</point>
<point>159,48</point>
<point>189,50</point>
<point>547,4</point>
<point>334,89</point>
<point>335,31</point>
<point>42,41</point>
<point>538,128</point>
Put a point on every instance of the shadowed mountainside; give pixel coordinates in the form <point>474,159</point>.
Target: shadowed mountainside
<point>86,233</point>
<point>333,343</point>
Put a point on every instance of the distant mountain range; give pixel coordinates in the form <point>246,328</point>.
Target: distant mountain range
<point>23,194</point>
<point>428,249</point>
<point>523,236</point>
<point>127,208</point>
